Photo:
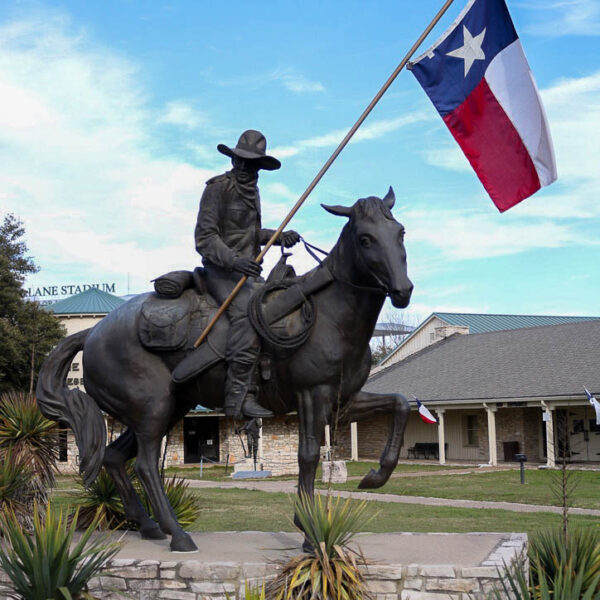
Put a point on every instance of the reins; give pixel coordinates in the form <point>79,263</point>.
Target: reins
<point>381,288</point>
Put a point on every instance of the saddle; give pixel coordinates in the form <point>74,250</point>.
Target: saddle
<point>279,311</point>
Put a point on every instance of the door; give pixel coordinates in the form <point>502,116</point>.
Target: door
<point>200,439</point>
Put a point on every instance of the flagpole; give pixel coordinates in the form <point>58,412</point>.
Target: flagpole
<point>325,168</point>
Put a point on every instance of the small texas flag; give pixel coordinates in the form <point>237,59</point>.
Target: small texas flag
<point>424,413</point>
<point>478,78</point>
<point>594,403</point>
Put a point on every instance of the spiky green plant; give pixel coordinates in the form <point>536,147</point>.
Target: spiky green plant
<point>331,570</point>
<point>47,564</point>
<point>31,439</point>
<point>15,489</point>
<point>567,585</point>
<point>102,498</point>
<point>580,556</point>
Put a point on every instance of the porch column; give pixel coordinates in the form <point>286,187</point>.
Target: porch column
<point>354,440</point>
<point>491,417</point>
<point>550,450</point>
<point>163,444</point>
<point>441,436</point>
<point>328,441</point>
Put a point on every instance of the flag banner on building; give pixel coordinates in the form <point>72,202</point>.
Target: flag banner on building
<point>594,403</point>
<point>479,80</point>
<point>424,413</point>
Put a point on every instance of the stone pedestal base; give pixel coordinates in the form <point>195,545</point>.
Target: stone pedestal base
<point>403,566</point>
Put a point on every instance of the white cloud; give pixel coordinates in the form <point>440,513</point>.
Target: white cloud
<point>566,17</point>
<point>182,114</point>
<point>482,235</point>
<point>300,84</point>
<point>370,131</point>
<point>74,147</point>
<point>290,79</point>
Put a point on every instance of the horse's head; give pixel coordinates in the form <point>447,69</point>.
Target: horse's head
<point>377,240</point>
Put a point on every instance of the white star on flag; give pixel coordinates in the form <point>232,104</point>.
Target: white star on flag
<point>471,50</point>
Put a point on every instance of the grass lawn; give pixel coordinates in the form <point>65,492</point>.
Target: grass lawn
<point>247,510</point>
<point>496,486</point>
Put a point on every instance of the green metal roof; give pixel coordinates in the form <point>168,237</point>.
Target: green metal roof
<point>91,302</point>
<point>478,323</point>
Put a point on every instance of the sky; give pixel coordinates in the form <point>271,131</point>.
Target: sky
<point>110,114</point>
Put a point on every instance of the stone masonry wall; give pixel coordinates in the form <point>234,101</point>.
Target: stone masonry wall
<point>195,580</point>
<point>279,444</point>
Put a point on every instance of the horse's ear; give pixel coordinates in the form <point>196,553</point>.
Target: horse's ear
<point>390,198</point>
<point>338,211</point>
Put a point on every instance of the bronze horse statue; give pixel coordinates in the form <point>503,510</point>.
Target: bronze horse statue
<point>324,375</point>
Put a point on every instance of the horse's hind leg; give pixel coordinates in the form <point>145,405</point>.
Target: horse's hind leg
<point>146,467</point>
<point>363,405</point>
<point>116,456</point>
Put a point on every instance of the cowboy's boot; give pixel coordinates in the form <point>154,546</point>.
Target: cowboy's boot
<point>237,388</point>
<point>250,407</point>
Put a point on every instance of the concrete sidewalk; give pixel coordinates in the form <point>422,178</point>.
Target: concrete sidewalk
<point>289,487</point>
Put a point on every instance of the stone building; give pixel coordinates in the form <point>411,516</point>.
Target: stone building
<point>440,325</point>
<point>501,393</point>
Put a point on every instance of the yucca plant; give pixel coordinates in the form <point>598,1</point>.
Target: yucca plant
<point>331,570</point>
<point>100,498</point>
<point>15,489</point>
<point>31,439</point>
<point>580,556</point>
<point>47,564</point>
<point>567,585</point>
<point>251,592</point>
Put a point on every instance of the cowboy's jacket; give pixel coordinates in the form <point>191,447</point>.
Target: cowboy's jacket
<point>228,223</point>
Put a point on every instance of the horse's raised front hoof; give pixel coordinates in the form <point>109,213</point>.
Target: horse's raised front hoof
<point>373,479</point>
<point>183,543</point>
<point>152,532</point>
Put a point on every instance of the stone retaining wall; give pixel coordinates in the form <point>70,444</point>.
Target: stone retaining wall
<point>195,580</point>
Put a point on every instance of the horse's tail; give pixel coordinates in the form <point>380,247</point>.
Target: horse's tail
<point>58,403</point>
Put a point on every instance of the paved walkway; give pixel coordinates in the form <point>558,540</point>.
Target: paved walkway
<point>289,487</point>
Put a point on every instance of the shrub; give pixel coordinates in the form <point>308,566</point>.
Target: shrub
<point>46,564</point>
<point>567,585</point>
<point>102,496</point>
<point>579,556</point>
<point>30,438</point>
<point>15,489</point>
<point>330,570</point>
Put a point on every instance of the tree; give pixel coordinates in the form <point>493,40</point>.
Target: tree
<point>27,331</point>
<point>381,347</point>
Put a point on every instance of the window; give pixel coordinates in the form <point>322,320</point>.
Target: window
<point>470,430</point>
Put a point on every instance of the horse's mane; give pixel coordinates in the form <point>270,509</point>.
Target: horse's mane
<point>369,207</point>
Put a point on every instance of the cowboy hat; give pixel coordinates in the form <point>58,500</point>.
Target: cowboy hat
<point>252,145</point>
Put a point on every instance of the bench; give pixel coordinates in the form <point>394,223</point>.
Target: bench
<point>426,450</point>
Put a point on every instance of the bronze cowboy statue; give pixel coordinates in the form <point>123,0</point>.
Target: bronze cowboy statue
<point>135,357</point>
<point>228,236</point>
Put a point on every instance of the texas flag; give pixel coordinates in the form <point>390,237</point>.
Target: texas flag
<point>594,403</point>
<point>478,78</point>
<point>424,413</point>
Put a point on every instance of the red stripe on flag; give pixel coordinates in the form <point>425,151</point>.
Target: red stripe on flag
<point>494,148</point>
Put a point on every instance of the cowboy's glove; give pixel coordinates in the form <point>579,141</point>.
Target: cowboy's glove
<point>289,238</point>
<point>247,266</point>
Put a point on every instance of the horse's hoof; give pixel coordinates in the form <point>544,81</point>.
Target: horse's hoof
<point>153,532</point>
<point>183,543</point>
<point>373,479</point>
